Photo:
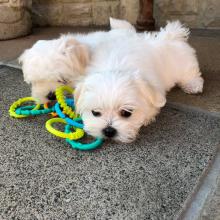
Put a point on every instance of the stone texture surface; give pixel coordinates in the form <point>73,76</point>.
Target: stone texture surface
<point>195,13</point>
<point>103,10</point>
<point>82,13</point>
<point>41,177</point>
<point>129,10</point>
<point>15,19</point>
<point>74,13</point>
<point>211,209</point>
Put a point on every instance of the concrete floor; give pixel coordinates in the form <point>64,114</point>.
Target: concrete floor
<point>42,177</point>
<point>207,45</point>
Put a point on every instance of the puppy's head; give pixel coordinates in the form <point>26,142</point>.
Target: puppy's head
<point>49,64</point>
<point>116,105</point>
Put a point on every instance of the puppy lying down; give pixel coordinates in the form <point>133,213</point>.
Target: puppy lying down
<point>120,77</point>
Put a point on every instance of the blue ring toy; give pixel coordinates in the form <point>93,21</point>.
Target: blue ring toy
<point>28,110</point>
<point>73,122</point>
<point>80,146</point>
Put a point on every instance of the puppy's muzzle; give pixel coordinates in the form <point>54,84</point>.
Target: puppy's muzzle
<point>109,132</point>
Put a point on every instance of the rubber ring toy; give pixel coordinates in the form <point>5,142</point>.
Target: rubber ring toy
<point>29,111</point>
<point>73,122</point>
<point>79,133</point>
<point>79,146</point>
<point>61,100</point>
<point>70,102</point>
<point>18,103</point>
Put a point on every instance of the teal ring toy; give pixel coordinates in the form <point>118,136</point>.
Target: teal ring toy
<point>73,122</point>
<point>79,146</point>
<point>27,110</point>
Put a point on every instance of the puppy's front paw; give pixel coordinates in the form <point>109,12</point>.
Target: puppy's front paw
<point>194,86</point>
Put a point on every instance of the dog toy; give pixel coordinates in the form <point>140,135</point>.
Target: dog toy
<point>70,135</point>
<point>61,100</point>
<point>80,146</point>
<point>68,120</point>
<point>19,102</point>
<point>28,110</point>
<point>63,112</point>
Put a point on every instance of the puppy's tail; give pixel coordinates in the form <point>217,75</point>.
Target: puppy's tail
<point>120,24</point>
<point>174,31</point>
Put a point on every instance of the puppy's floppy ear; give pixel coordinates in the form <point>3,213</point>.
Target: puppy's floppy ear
<point>82,52</point>
<point>149,92</point>
<point>78,52</point>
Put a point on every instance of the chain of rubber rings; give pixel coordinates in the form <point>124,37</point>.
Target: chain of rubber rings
<point>63,112</point>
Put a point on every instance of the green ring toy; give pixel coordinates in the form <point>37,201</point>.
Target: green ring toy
<point>79,146</point>
<point>61,100</point>
<point>29,111</point>
<point>18,103</point>
<point>72,136</point>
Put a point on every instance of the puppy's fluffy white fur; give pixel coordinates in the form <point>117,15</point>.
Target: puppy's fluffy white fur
<point>133,74</point>
<point>123,84</point>
<point>51,63</point>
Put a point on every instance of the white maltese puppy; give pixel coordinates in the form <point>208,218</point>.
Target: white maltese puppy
<point>127,79</point>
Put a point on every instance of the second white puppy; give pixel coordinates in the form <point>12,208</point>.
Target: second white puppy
<point>128,78</point>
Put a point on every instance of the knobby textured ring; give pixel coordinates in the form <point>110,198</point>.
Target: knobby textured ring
<point>73,122</point>
<point>61,100</point>
<point>70,135</point>
<point>79,146</point>
<point>18,103</point>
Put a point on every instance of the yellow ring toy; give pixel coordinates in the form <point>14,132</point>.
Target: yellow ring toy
<point>54,114</point>
<point>72,136</point>
<point>18,103</point>
<point>61,100</point>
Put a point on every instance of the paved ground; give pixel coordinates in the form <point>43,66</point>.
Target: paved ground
<point>41,176</point>
<point>211,208</point>
<point>162,171</point>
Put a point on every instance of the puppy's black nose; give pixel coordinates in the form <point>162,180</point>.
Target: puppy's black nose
<point>109,131</point>
<point>51,96</point>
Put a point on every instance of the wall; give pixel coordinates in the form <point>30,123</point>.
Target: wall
<point>82,12</point>
<point>15,18</point>
<point>196,13</point>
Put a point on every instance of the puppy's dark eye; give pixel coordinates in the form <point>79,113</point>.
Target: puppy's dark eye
<point>96,113</point>
<point>125,113</point>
